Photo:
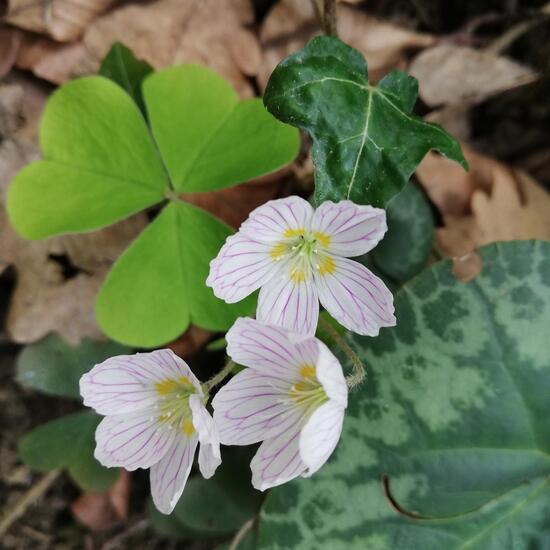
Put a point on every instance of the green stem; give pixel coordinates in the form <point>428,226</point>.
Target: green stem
<point>220,376</point>
<point>358,374</point>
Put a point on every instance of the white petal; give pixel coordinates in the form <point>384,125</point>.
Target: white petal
<point>353,229</point>
<point>126,383</point>
<point>320,436</point>
<point>331,376</point>
<point>169,476</point>
<point>209,450</point>
<point>133,440</point>
<point>268,222</point>
<point>242,266</point>
<point>291,305</point>
<point>253,406</point>
<point>262,347</point>
<point>278,460</point>
<point>356,298</point>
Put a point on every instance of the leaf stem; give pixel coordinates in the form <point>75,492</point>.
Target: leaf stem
<point>220,376</point>
<point>359,373</point>
<point>325,10</point>
<point>241,533</point>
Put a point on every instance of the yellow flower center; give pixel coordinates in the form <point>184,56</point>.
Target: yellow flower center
<point>174,410</point>
<point>308,392</point>
<point>305,251</point>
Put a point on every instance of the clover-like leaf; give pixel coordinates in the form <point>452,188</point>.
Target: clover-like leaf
<point>120,66</point>
<point>52,366</point>
<point>166,268</point>
<point>68,443</point>
<point>366,142</point>
<point>207,137</point>
<point>447,445</point>
<point>103,161</point>
<point>100,163</point>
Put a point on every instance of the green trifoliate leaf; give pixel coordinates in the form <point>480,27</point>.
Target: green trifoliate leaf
<point>68,443</point>
<point>52,366</point>
<point>366,142</point>
<point>406,246</point>
<point>121,66</point>
<point>454,412</point>
<point>100,163</point>
<point>157,287</point>
<point>207,137</point>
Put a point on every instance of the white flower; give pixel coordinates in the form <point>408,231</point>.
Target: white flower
<point>299,257</point>
<point>292,397</point>
<point>154,418</point>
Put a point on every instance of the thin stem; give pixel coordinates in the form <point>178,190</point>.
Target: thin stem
<point>220,376</point>
<point>241,533</point>
<point>359,373</point>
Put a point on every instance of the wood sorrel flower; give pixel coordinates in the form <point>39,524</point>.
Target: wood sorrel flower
<point>292,397</point>
<point>154,418</point>
<point>299,257</point>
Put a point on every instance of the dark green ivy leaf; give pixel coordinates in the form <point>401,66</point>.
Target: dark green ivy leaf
<point>121,66</point>
<point>366,142</point>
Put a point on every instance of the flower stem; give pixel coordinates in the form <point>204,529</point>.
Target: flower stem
<point>220,376</point>
<point>358,374</point>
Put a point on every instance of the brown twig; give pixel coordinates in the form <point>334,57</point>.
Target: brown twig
<point>329,17</point>
<point>27,499</point>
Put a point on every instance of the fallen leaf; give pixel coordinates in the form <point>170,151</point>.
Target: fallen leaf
<point>492,202</point>
<point>64,20</point>
<point>163,33</point>
<point>291,23</point>
<point>57,279</point>
<point>449,74</point>
<point>193,339</point>
<point>102,511</point>
<point>9,47</point>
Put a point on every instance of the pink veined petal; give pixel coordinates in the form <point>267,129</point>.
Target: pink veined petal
<point>253,406</point>
<point>133,440</point>
<point>268,222</point>
<point>291,305</point>
<point>353,229</point>
<point>209,449</point>
<point>320,435</point>
<point>169,476</point>
<point>356,298</point>
<point>278,460</point>
<point>331,376</point>
<point>262,347</point>
<point>242,266</point>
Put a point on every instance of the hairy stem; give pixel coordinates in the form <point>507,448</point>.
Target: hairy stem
<point>358,374</point>
<point>220,376</point>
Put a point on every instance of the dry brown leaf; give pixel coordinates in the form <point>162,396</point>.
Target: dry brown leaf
<point>63,20</point>
<point>449,74</point>
<point>492,202</point>
<point>468,267</point>
<point>291,23</point>
<point>193,339</point>
<point>45,299</point>
<point>102,511</point>
<point>10,40</point>
<point>163,33</point>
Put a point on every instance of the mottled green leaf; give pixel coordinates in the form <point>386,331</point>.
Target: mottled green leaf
<point>366,142</point>
<point>454,412</point>
<point>406,246</point>
<point>157,287</point>
<point>68,443</point>
<point>208,138</point>
<point>99,163</point>
<point>121,66</point>
<point>52,366</point>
